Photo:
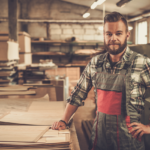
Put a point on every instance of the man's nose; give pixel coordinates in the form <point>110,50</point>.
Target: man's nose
<point>113,37</point>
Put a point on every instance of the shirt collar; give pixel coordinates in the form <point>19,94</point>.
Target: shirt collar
<point>127,54</point>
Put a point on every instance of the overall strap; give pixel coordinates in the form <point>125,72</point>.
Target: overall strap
<point>128,81</point>
<point>100,63</point>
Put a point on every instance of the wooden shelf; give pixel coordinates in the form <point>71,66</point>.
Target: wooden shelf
<point>62,42</point>
<point>49,53</point>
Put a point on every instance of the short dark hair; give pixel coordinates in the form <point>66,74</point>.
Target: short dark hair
<point>114,17</point>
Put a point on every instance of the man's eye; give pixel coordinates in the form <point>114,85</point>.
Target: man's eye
<point>118,34</point>
<point>109,34</point>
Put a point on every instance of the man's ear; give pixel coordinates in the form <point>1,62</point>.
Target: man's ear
<point>128,35</point>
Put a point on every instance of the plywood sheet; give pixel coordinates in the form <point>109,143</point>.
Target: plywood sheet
<point>50,133</point>
<point>56,136</point>
<point>33,145</point>
<point>52,140</point>
<point>47,106</point>
<point>21,133</point>
<point>30,118</point>
<point>14,88</point>
<point>17,92</point>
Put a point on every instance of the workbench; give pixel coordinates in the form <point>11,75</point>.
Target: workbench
<point>22,105</point>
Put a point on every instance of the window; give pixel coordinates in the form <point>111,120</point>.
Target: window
<point>142,33</point>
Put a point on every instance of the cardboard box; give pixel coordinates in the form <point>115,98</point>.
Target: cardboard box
<point>24,42</point>
<point>9,51</point>
<point>25,58</point>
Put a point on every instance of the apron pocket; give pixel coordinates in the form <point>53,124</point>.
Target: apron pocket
<point>109,102</point>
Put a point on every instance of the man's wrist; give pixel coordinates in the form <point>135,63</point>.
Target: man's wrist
<point>63,122</point>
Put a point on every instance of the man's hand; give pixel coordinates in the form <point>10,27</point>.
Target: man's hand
<point>59,126</point>
<point>62,124</point>
<point>139,129</point>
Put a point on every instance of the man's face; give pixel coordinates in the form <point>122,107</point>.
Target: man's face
<point>115,37</point>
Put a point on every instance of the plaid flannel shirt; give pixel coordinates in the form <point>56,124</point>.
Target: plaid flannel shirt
<point>140,78</point>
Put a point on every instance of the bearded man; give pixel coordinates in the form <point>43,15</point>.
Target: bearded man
<point>120,77</point>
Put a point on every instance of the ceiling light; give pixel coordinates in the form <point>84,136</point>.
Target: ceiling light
<point>122,2</point>
<point>94,5</point>
<point>98,2</point>
<point>86,15</point>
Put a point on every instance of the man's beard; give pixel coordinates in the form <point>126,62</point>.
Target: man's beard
<point>115,51</point>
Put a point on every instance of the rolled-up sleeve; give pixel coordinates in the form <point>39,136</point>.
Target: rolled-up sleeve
<point>82,88</point>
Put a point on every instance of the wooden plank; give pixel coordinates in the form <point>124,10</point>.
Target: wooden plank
<point>14,88</point>
<point>17,93</point>
<point>51,132</point>
<point>60,138</point>
<point>33,145</point>
<point>49,107</point>
<point>21,133</point>
<point>31,118</point>
<point>29,149</point>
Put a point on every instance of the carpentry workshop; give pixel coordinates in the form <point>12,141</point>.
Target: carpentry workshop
<point>74,74</point>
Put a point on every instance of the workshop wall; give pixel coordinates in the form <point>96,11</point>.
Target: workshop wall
<point>58,10</point>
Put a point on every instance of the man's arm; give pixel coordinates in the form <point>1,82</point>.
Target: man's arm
<point>69,111</point>
<point>140,129</point>
<point>76,98</point>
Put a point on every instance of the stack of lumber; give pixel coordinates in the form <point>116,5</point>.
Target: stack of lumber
<point>31,129</point>
<point>16,90</point>
<point>9,56</point>
<point>7,72</point>
<point>34,72</point>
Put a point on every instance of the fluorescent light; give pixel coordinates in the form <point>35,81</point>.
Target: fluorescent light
<point>122,2</point>
<point>86,15</point>
<point>98,2</point>
<point>130,28</point>
<point>94,5</point>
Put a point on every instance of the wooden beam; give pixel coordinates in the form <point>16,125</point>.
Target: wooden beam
<point>12,19</point>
